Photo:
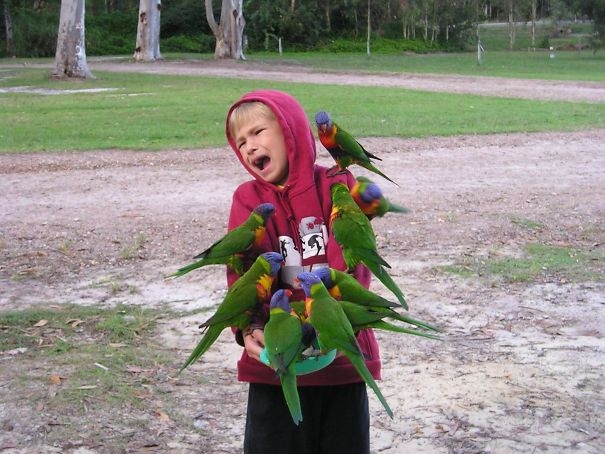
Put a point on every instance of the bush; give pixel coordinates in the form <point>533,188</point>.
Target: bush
<point>181,43</point>
<point>35,33</point>
<point>111,33</point>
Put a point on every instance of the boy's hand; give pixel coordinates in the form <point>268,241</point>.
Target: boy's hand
<point>254,342</point>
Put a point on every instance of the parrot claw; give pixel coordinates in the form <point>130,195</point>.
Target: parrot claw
<point>310,352</point>
<point>333,171</point>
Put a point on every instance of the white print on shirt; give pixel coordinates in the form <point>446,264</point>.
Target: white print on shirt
<point>313,235</point>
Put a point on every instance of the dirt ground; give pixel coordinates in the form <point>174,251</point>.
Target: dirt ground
<point>521,366</point>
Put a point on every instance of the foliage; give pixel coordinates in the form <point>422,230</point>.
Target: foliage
<point>302,26</point>
<point>268,21</point>
<point>35,32</point>
<point>111,33</point>
<point>200,44</point>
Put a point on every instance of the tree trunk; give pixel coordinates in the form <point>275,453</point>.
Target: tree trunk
<point>8,28</point>
<point>534,13</point>
<point>229,31</point>
<point>369,28</point>
<point>511,25</point>
<point>70,57</point>
<point>148,31</point>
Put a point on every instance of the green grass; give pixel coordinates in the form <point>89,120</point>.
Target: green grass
<point>93,350</point>
<point>153,112</point>
<point>538,262</point>
<point>567,65</point>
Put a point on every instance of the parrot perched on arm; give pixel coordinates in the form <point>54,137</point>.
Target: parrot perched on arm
<point>353,232</point>
<point>284,345</point>
<point>343,147</point>
<point>371,200</point>
<point>231,247</point>
<point>344,286</point>
<point>253,288</point>
<point>334,331</point>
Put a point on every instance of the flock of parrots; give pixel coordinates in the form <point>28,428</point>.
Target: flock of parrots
<point>336,304</point>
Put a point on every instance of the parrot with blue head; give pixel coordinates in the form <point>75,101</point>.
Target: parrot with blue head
<point>334,331</point>
<point>343,147</point>
<point>250,290</point>
<point>354,233</point>
<point>371,199</point>
<point>284,345</point>
<point>231,248</point>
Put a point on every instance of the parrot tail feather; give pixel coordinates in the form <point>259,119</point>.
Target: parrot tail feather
<point>201,348</point>
<point>388,282</point>
<point>363,371</point>
<point>288,384</point>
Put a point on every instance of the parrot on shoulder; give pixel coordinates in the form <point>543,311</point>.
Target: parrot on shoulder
<point>343,147</point>
<point>250,290</point>
<point>344,286</point>
<point>371,200</point>
<point>353,232</point>
<point>284,345</point>
<point>334,331</point>
<point>230,249</point>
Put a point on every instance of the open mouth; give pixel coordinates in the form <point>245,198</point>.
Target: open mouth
<point>261,162</point>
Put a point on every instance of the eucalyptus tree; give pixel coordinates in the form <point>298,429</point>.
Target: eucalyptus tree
<point>229,30</point>
<point>148,31</point>
<point>70,56</point>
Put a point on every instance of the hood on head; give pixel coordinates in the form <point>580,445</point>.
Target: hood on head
<point>298,135</point>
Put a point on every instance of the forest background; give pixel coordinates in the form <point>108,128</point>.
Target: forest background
<point>419,26</point>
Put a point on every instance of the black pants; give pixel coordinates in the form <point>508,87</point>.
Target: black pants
<point>336,420</point>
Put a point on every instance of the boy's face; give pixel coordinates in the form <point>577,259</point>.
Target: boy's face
<point>261,144</point>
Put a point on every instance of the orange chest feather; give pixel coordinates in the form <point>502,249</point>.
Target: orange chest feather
<point>259,234</point>
<point>263,287</point>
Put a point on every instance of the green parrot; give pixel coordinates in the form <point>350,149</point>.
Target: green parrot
<point>362,317</point>
<point>232,246</point>
<point>371,200</point>
<point>353,232</point>
<point>284,345</point>
<point>334,331</point>
<point>343,147</point>
<point>344,286</point>
<point>253,288</point>
<point>372,307</point>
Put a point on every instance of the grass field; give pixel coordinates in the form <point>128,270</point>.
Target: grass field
<point>150,112</point>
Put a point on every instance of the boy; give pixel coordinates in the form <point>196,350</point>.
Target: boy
<point>273,140</point>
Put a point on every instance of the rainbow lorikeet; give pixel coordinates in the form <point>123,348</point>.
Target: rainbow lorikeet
<point>334,331</point>
<point>230,249</point>
<point>343,147</point>
<point>344,286</point>
<point>371,200</point>
<point>372,307</point>
<point>284,345</point>
<point>250,290</point>
<point>353,232</point>
<point>363,317</point>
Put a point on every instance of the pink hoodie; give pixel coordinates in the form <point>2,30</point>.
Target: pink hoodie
<point>299,230</point>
